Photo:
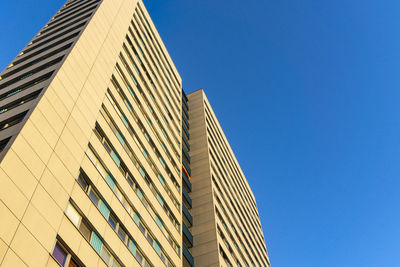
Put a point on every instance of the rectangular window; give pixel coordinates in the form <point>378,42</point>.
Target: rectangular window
<point>107,146</point>
<point>142,229</point>
<point>110,181</point>
<point>160,199</point>
<point>136,218</point>
<point>62,254</point>
<point>93,196</point>
<point>162,162</point>
<point>96,242</point>
<point>132,247</point>
<point>139,193</point>
<point>85,231</point>
<point>125,120</point>
<point>105,254</point>
<point>120,138</point>
<point>131,91</point>
<point>139,257</point>
<point>118,193</point>
<point>59,254</point>
<point>115,157</point>
<point>73,215</point>
<point>104,209</point>
<point>161,255</point>
<point>162,181</point>
<point>113,222</point>
<point>82,181</point>
<point>115,263</point>
<point>150,239</point>
<point>122,235</point>
<point>163,146</point>
<point>159,222</point>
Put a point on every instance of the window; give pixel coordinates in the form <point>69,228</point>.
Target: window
<point>105,254</point>
<point>126,205</point>
<point>141,227</point>
<point>122,234</point>
<point>163,258</point>
<point>118,193</point>
<point>85,231</point>
<point>59,254</point>
<point>76,219</point>
<point>115,157</point>
<point>63,256</point>
<point>113,222</point>
<point>139,257</point>
<point>107,146</point>
<point>150,239</point>
<point>115,264</point>
<point>73,215</point>
<point>82,182</point>
<point>163,146</point>
<point>94,197</point>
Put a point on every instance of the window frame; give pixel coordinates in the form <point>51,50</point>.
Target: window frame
<point>70,256</point>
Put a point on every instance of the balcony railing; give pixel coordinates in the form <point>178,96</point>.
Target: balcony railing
<point>187,255</point>
<point>186,181</point>
<point>186,153</point>
<point>185,141</point>
<point>187,214</point>
<point>187,197</point>
<point>187,233</point>
<point>187,166</point>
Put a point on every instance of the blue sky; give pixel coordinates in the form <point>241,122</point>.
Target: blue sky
<point>307,93</point>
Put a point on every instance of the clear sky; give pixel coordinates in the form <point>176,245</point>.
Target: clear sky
<point>307,93</point>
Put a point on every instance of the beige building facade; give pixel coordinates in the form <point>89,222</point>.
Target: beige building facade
<point>103,158</point>
<point>227,229</point>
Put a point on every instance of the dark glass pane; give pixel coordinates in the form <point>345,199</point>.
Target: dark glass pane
<point>82,182</point>
<point>121,234</point>
<point>112,222</point>
<point>94,198</point>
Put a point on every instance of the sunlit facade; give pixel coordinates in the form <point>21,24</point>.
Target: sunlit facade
<point>100,160</point>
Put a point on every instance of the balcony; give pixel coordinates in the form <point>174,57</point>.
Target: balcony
<point>187,234</point>
<point>186,181</point>
<point>187,166</point>
<point>187,197</point>
<point>187,255</point>
<point>187,214</point>
<point>186,153</point>
<point>185,122</point>
<point>186,142</point>
<point>185,112</point>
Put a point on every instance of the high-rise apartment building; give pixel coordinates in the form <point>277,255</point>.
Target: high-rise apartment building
<point>104,160</point>
<point>227,229</point>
